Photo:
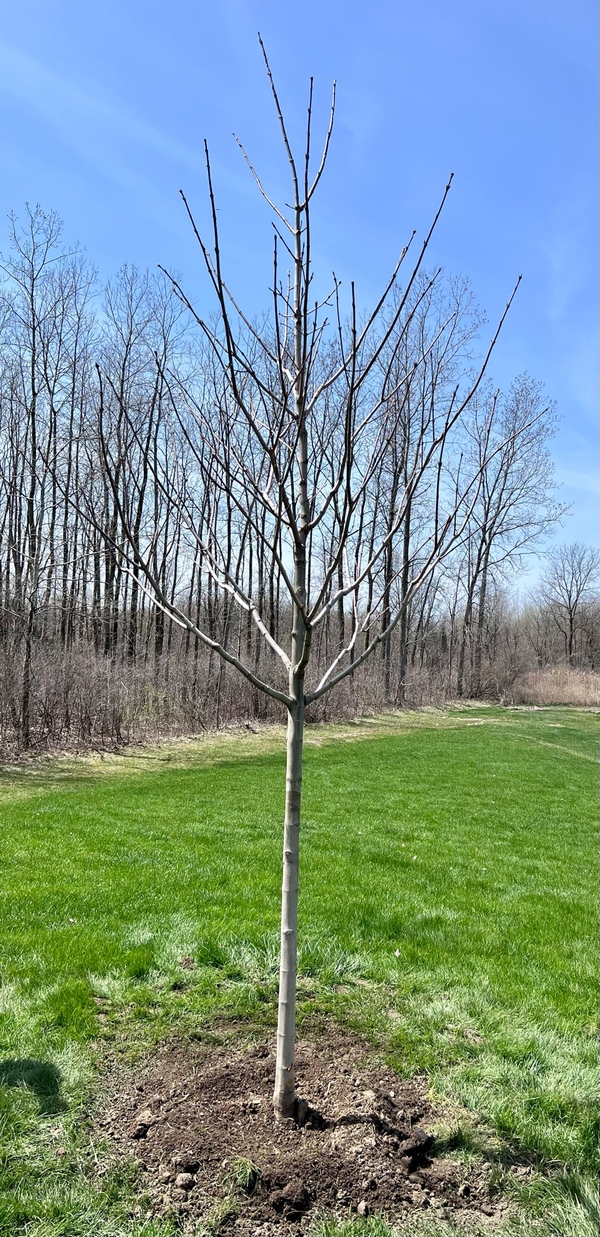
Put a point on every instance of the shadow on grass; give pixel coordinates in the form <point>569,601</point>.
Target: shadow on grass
<point>41,1077</point>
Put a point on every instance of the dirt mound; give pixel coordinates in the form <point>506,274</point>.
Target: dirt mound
<point>198,1119</point>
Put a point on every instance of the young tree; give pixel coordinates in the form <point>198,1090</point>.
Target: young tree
<point>291,429</point>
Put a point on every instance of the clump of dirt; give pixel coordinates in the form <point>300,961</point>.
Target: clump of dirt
<point>198,1119</point>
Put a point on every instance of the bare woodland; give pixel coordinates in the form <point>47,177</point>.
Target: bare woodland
<point>87,654</point>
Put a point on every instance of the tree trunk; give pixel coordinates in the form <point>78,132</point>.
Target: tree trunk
<point>478,652</point>
<point>340,607</point>
<point>401,692</point>
<point>571,641</point>
<point>26,682</point>
<point>466,627</point>
<point>284,1097</point>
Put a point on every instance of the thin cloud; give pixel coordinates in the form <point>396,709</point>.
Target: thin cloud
<point>577,479</point>
<point>95,127</point>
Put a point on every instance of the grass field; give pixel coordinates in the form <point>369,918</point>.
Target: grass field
<point>448,910</point>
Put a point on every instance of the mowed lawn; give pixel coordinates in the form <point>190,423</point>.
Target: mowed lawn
<point>448,909</point>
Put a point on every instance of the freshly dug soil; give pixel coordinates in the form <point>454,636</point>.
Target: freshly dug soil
<point>198,1119</point>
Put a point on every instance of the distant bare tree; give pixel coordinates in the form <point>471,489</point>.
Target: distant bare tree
<point>429,354</point>
<point>568,583</point>
<point>516,504</point>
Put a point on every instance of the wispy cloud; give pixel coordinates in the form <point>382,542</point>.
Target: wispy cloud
<point>578,479</point>
<point>580,367</point>
<point>100,130</point>
<point>566,245</point>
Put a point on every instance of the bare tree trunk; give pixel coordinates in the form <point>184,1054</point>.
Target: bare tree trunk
<point>478,651</point>
<point>404,621</point>
<point>285,1082</point>
<point>26,682</point>
<point>340,607</point>
<point>571,639</point>
<point>466,628</point>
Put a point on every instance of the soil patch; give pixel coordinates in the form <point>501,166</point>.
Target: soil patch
<point>198,1120</point>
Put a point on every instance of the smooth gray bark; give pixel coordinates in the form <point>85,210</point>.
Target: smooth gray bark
<point>284,1096</point>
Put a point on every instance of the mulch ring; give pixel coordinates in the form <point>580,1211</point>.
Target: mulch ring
<point>198,1120</point>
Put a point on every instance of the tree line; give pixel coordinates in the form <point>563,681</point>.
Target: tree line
<point>131,496</point>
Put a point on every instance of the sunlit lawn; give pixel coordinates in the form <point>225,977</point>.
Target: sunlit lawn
<point>447,860</point>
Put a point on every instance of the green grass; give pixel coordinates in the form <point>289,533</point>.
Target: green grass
<point>448,910</point>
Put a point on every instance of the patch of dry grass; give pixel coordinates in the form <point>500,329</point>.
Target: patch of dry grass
<point>556,685</point>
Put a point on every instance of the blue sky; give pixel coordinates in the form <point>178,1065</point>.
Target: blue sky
<point>104,109</point>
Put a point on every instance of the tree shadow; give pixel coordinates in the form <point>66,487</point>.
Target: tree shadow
<point>42,1077</point>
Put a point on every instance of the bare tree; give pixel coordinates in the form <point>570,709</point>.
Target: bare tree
<point>289,430</point>
<point>516,504</point>
<point>569,582</point>
<point>430,352</point>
